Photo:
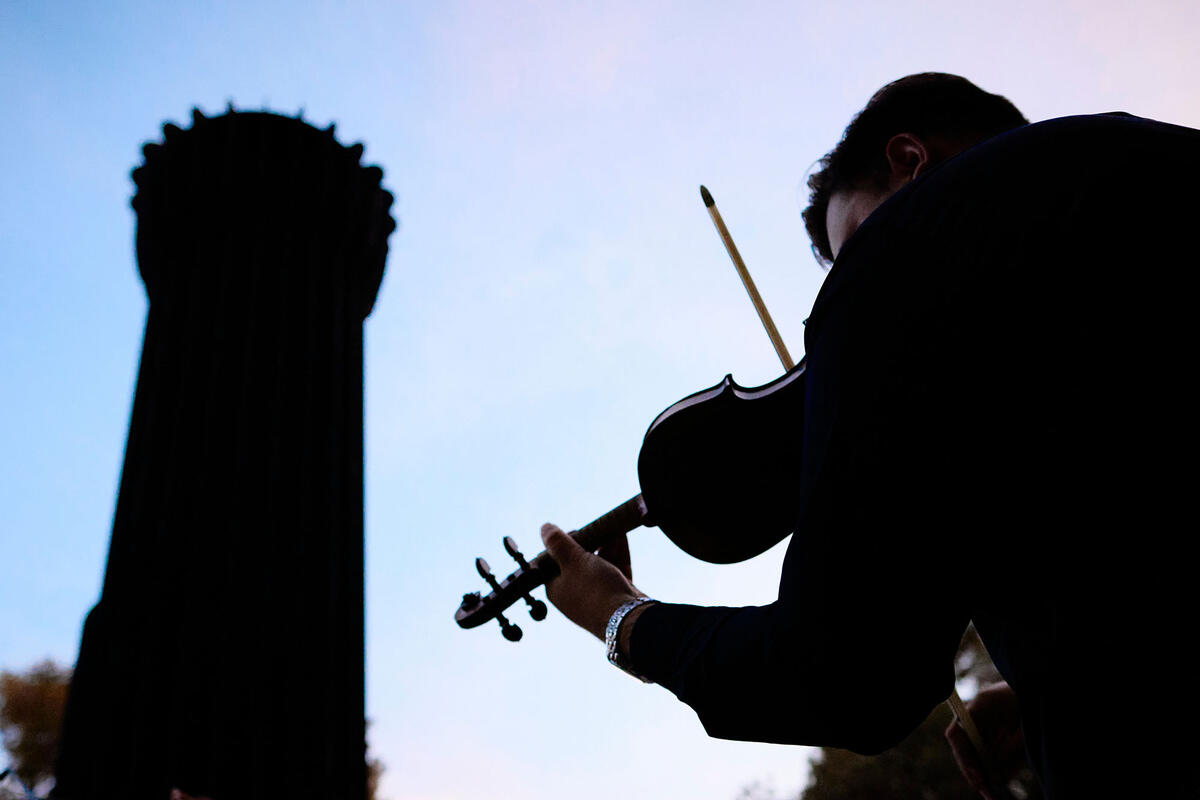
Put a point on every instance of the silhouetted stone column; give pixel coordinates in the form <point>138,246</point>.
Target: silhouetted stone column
<point>225,656</point>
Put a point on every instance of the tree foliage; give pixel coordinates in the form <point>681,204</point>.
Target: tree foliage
<point>31,709</point>
<point>375,771</point>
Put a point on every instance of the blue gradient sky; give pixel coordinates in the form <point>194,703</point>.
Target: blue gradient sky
<point>554,283</point>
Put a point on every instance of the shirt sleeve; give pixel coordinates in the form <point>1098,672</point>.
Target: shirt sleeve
<point>858,669</point>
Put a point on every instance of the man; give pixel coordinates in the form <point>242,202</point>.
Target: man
<point>996,406</point>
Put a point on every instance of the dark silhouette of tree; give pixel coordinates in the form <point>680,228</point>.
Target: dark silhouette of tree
<point>31,710</point>
<point>375,770</point>
<point>756,791</point>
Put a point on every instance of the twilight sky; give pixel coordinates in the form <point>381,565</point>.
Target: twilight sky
<point>554,283</point>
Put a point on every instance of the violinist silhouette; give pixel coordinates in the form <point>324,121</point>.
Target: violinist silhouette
<point>998,425</point>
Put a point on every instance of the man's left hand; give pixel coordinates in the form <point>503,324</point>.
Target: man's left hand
<point>591,586</point>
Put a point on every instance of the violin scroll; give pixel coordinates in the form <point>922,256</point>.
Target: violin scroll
<point>476,609</point>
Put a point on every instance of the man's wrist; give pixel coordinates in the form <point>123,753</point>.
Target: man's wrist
<point>612,632</point>
<point>612,635</point>
<point>625,633</point>
<point>599,625</point>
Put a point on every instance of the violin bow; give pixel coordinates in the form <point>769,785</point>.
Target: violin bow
<point>743,273</point>
<point>954,701</point>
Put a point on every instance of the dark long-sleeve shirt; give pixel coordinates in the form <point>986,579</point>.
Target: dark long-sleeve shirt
<point>999,426</point>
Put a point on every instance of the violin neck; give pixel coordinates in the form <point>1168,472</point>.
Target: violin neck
<point>622,519</point>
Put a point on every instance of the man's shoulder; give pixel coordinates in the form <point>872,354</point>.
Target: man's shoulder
<point>1051,166</point>
<point>1076,140</point>
<point>1057,192</point>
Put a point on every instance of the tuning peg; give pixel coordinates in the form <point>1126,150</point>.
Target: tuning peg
<point>511,632</point>
<point>537,609</point>
<point>511,546</point>
<point>485,572</point>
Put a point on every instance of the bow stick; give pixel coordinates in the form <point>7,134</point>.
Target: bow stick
<point>743,273</point>
<point>957,706</point>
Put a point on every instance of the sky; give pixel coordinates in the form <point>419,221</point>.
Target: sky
<point>553,284</point>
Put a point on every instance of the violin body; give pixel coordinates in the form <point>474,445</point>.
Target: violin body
<point>719,469</point>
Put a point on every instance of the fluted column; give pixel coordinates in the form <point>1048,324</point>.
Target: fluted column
<point>225,656</point>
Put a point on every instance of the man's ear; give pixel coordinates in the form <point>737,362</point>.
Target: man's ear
<point>907,156</point>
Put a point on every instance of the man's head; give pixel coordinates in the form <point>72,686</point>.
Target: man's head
<point>907,127</point>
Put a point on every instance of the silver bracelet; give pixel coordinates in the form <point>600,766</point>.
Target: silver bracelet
<point>612,637</point>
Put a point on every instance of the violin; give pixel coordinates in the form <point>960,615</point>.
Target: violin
<point>697,486</point>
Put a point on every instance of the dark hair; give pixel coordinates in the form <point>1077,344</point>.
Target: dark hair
<point>927,105</point>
